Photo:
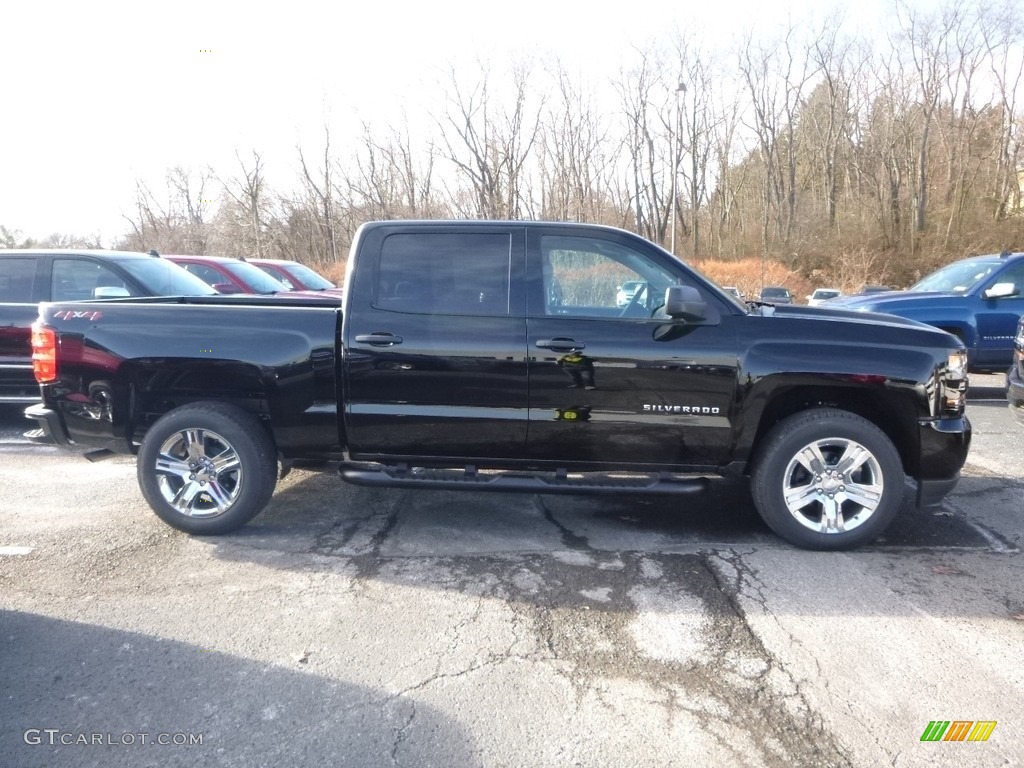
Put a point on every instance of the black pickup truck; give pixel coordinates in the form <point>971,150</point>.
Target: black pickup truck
<point>500,356</point>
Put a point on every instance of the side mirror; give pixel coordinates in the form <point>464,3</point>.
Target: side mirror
<point>225,288</point>
<point>1001,291</point>
<point>683,302</point>
<point>110,292</point>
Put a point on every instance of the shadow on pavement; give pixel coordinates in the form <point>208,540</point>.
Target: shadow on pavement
<point>83,680</point>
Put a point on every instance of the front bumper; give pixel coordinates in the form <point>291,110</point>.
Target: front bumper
<point>931,493</point>
<point>944,447</point>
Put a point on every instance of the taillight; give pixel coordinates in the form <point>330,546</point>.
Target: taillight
<point>44,353</point>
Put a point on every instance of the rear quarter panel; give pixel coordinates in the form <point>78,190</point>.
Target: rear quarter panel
<point>123,365</point>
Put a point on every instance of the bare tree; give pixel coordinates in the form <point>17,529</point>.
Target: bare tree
<point>191,193</point>
<point>243,221</point>
<point>960,131</point>
<point>577,158</point>
<point>489,143</point>
<point>9,238</point>
<point>929,39</point>
<point>729,176</point>
<point>173,222</point>
<point>1002,37</point>
<point>320,192</point>
<point>694,134</point>
<point>832,58</point>
<point>766,123</point>
<point>390,180</point>
<point>646,100</point>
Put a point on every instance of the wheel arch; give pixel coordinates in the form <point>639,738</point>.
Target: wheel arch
<point>157,387</point>
<point>892,412</point>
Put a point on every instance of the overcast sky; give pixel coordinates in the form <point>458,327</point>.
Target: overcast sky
<point>98,94</point>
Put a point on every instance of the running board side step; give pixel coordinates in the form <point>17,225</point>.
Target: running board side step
<point>471,479</point>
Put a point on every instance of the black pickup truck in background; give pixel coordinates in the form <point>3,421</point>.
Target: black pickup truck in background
<point>28,277</point>
<point>500,356</point>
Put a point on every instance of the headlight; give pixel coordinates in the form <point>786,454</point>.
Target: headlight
<point>956,364</point>
<point>953,383</point>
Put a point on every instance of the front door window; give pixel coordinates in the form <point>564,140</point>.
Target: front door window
<point>589,277</point>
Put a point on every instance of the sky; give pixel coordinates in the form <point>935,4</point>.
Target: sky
<point>97,96</point>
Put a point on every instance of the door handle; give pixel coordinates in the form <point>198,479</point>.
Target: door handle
<point>379,339</point>
<point>560,344</point>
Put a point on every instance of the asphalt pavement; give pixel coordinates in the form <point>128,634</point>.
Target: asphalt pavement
<point>365,627</point>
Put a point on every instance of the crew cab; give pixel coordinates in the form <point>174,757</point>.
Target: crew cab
<point>495,356</point>
<point>28,277</point>
<point>979,300</point>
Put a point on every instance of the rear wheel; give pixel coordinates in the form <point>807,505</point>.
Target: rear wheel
<point>827,479</point>
<point>207,468</point>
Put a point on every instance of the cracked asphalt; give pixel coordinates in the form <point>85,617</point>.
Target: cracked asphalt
<point>365,627</point>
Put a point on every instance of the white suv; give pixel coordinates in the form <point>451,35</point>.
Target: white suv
<point>821,295</point>
<point>626,292</point>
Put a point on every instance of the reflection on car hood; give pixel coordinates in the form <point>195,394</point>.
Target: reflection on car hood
<point>893,300</point>
<point>855,299</point>
<point>827,312</point>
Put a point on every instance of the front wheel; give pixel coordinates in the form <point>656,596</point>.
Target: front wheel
<point>827,479</point>
<point>207,468</point>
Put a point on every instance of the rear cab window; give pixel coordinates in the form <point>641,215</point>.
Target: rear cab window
<point>17,280</point>
<point>445,273</point>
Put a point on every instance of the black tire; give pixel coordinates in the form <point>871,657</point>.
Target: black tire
<point>826,438</point>
<point>219,484</point>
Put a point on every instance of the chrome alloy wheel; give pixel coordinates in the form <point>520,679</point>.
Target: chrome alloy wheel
<point>832,485</point>
<point>199,473</point>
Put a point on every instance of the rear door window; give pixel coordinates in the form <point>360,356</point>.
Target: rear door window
<point>445,273</point>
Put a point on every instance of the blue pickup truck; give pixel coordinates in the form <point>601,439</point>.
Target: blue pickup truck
<point>979,300</point>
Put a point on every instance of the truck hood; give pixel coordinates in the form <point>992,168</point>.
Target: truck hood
<point>898,301</point>
<point>864,315</point>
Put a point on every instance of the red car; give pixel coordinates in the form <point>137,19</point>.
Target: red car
<point>295,275</point>
<point>228,275</point>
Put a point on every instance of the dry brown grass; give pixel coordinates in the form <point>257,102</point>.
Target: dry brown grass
<point>750,274</point>
<point>335,273</point>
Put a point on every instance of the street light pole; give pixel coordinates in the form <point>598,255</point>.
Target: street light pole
<point>680,89</point>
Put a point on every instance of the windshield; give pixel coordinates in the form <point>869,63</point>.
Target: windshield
<point>164,278</point>
<point>278,274</point>
<point>307,276</point>
<point>957,278</point>
<point>782,293</point>
<point>254,277</point>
